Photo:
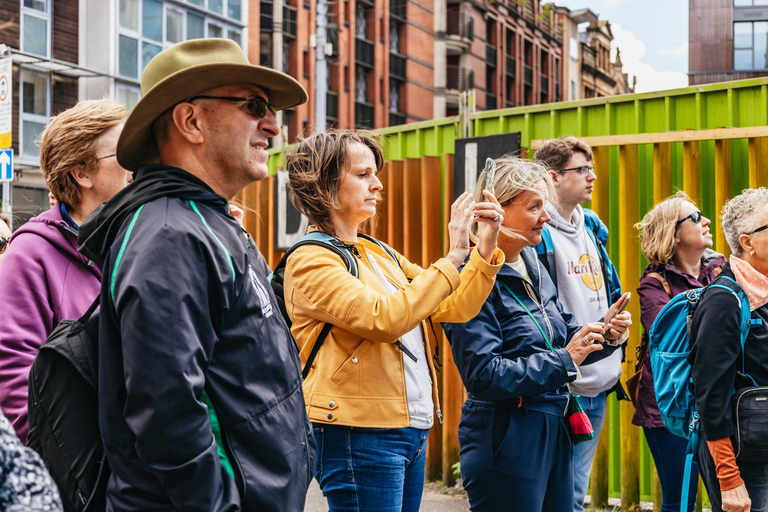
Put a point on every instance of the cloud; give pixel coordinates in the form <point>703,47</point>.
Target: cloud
<point>648,78</point>
<point>679,51</point>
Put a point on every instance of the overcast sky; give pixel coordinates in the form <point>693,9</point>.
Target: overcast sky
<point>652,36</point>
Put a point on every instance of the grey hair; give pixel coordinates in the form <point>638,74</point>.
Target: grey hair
<point>741,216</point>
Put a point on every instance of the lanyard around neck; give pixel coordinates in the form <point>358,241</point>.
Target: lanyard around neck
<point>549,344</point>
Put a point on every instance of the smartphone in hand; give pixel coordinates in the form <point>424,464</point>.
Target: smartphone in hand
<point>490,173</point>
<point>624,302</point>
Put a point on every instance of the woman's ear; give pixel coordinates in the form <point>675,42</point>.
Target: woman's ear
<point>81,176</point>
<point>746,243</point>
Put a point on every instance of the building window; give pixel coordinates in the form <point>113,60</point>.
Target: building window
<point>750,43</point>
<point>361,21</point>
<point>128,95</point>
<point>35,98</point>
<point>35,24</point>
<point>573,49</point>
<point>146,27</point>
<point>749,3</point>
<point>394,95</point>
<point>394,36</point>
<point>573,91</point>
<point>361,83</point>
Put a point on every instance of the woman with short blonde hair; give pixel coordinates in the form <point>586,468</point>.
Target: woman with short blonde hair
<point>675,239</point>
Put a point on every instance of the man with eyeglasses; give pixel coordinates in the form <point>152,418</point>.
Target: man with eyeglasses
<point>573,251</point>
<point>200,399</point>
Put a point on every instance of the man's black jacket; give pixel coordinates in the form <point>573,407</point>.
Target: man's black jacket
<point>189,319</point>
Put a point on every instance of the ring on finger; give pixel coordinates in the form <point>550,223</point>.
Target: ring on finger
<point>585,340</point>
<point>497,218</point>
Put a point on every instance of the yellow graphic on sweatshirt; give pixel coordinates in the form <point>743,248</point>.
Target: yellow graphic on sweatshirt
<point>588,269</point>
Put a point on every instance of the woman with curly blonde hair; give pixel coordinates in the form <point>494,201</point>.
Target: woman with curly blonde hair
<point>675,239</point>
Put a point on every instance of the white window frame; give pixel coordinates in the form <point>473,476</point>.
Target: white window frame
<point>46,16</point>
<point>209,18</point>
<point>34,118</point>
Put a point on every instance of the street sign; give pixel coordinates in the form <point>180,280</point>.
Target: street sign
<point>6,102</point>
<point>6,165</point>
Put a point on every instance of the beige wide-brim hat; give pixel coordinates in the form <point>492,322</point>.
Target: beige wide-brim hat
<point>188,69</point>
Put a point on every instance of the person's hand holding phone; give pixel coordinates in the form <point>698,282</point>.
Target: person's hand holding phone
<point>617,320</point>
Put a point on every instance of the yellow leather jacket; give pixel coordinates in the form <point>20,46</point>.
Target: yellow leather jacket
<point>358,378</point>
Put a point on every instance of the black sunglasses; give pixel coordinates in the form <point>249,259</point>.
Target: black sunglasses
<point>256,106</point>
<point>4,244</point>
<point>761,228</point>
<point>583,170</point>
<point>695,217</point>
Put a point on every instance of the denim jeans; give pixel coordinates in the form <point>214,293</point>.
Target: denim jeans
<point>668,451</point>
<point>583,453</point>
<point>754,474</point>
<point>370,469</point>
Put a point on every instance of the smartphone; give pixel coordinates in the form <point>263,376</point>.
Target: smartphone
<point>490,173</point>
<point>627,296</point>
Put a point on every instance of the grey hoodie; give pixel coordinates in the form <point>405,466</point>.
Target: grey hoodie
<point>583,293</point>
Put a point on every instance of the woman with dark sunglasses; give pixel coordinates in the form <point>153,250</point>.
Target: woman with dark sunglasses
<point>5,237</point>
<point>675,239</point>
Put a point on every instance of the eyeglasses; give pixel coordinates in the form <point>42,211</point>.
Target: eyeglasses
<point>256,106</point>
<point>761,228</point>
<point>583,171</point>
<point>695,217</point>
<point>4,244</point>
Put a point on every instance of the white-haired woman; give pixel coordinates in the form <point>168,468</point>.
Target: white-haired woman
<point>675,239</point>
<point>734,485</point>
<point>516,358</point>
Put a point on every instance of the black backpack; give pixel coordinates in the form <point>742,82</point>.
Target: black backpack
<point>63,413</point>
<point>347,252</point>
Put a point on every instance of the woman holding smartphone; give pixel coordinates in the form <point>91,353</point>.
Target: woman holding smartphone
<point>516,358</point>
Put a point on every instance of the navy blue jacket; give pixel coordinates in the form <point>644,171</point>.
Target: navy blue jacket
<point>501,354</point>
<point>188,319</point>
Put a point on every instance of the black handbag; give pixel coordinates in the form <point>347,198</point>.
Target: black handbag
<point>750,414</point>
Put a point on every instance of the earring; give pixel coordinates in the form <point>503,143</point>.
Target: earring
<point>751,253</point>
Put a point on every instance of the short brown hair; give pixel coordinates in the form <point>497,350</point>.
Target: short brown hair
<point>555,153</point>
<point>658,229</point>
<point>70,139</point>
<point>315,169</point>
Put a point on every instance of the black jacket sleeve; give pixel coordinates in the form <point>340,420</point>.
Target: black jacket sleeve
<point>715,357</point>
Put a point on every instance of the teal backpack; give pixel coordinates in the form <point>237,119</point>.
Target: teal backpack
<point>669,345</point>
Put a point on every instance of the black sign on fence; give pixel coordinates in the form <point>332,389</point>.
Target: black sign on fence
<point>290,225</point>
<point>471,154</point>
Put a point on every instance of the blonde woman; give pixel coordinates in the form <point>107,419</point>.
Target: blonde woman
<point>516,358</point>
<point>675,239</point>
<point>371,392</point>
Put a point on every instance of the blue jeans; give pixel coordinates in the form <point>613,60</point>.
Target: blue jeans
<point>668,451</point>
<point>583,453</point>
<point>371,469</point>
<point>754,474</point>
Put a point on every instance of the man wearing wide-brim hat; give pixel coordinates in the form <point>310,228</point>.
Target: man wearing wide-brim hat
<point>200,399</point>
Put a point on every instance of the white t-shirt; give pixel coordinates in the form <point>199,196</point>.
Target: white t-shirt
<point>418,384</point>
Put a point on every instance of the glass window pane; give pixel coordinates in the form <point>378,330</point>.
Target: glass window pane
<point>234,9</point>
<point>235,36</point>
<point>38,5</point>
<point>195,26</point>
<point>35,36</point>
<point>128,97</point>
<point>201,3</point>
<point>215,6</point>
<point>152,20</point>
<point>35,95</point>
<point>742,35</point>
<point>147,52</point>
<point>214,30</point>
<point>742,59</point>
<point>761,44</point>
<point>129,14</point>
<point>761,2</point>
<point>174,26</point>
<point>128,50</point>
<point>742,3</point>
<point>30,132</point>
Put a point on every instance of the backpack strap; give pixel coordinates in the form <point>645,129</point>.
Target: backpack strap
<point>662,280</point>
<point>384,246</point>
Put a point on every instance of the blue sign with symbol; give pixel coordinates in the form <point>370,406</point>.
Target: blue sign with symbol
<point>6,164</point>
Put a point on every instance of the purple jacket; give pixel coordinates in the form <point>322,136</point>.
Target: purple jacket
<point>652,299</point>
<point>43,280</point>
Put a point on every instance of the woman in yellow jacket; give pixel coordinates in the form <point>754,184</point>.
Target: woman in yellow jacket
<point>371,391</point>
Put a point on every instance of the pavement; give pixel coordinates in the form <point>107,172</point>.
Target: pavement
<point>431,501</point>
